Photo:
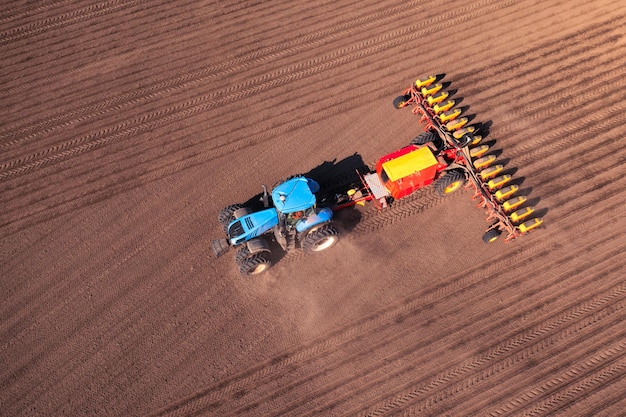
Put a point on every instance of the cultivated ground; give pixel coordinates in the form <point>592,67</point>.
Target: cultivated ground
<point>127,125</point>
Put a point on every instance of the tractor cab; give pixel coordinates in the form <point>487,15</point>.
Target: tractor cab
<point>296,205</point>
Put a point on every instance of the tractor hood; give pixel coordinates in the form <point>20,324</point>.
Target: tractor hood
<point>296,194</point>
<point>251,226</point>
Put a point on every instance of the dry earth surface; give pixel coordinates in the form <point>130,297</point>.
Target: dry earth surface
<point>127,125</point>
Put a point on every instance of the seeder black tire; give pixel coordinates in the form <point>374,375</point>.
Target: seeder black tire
<point>424,138</point>
<point>227,215</point>
<point>255,264</point>
<point>320,239</point>
<point>450,182</point>
<point>491,235</point>
<point>400,101</point>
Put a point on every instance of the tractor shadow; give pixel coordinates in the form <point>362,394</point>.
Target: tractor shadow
<point>336,177</point>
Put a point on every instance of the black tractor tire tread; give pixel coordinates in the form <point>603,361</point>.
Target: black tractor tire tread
<point>249,264</point>
<point>227,215</point>
<point>448,178</point>
<point>316,235</point>
<point>424,138</point>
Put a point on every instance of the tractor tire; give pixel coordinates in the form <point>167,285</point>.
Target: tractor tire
<point>400,101</point>
<point>424,138</point>
<point>320,239</point>
<point>450,182</point>
<point>255,264</point>
<point>491,235</point>
<point>227,215</point>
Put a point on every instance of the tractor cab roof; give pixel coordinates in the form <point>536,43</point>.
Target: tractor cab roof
<point>296,194</point>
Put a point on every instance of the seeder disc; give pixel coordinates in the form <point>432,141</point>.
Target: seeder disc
<point>530,224</point>
<point>506,192</point>
<point>423,83</point>
<point>479,151</point>
<point>521,214</point>
<point>450,115</point>
<point>456,124</point>
<point>437,98</point>
<point>429,90</point>
<point>440,108</point>
<point>458,134</point>
<point>476,141</point>
<point>498,182</point>
<point>484,162</point>
<point>491,172</point>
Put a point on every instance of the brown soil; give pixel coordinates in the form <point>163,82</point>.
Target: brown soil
<point>127,125</point>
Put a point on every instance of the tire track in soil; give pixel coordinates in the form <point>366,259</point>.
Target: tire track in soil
<point>149,34</point>
<point>360,387</point>
<point>201,104</point>
<point>586,372</point>
<point>571,363</point>
<point>501,348</point>
<point>87,13</point>
<point>117,328</point>
<point>596,401</point>
<point>263,372</point>
<point>353,382</point>
<point>553,347</point>
<point>181,39</point>
<point>232,66</point>
<point>318,348</point>
<point>227,64</point>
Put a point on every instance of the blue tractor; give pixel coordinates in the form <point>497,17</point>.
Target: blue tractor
<point>290,217</point>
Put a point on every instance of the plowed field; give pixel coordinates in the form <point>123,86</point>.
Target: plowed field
<point>127,125</point>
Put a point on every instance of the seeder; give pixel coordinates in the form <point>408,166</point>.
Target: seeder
<point>462,149</point>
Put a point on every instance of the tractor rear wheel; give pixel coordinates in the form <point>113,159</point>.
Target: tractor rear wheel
<point>400,101</point>
<point>227,215</point>
<point>424,138</point>
<point>255,264</point>
<point>450,182</point>
<point>320,239</point>
<point>491,235</point>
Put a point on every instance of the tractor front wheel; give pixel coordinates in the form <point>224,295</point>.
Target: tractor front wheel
<point>252,263</point>
<point>320,239</point>
<point>227,215</point>
<point>450,182</point>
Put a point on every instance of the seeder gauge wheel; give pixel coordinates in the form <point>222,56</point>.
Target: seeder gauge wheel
<point>491,235</point>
